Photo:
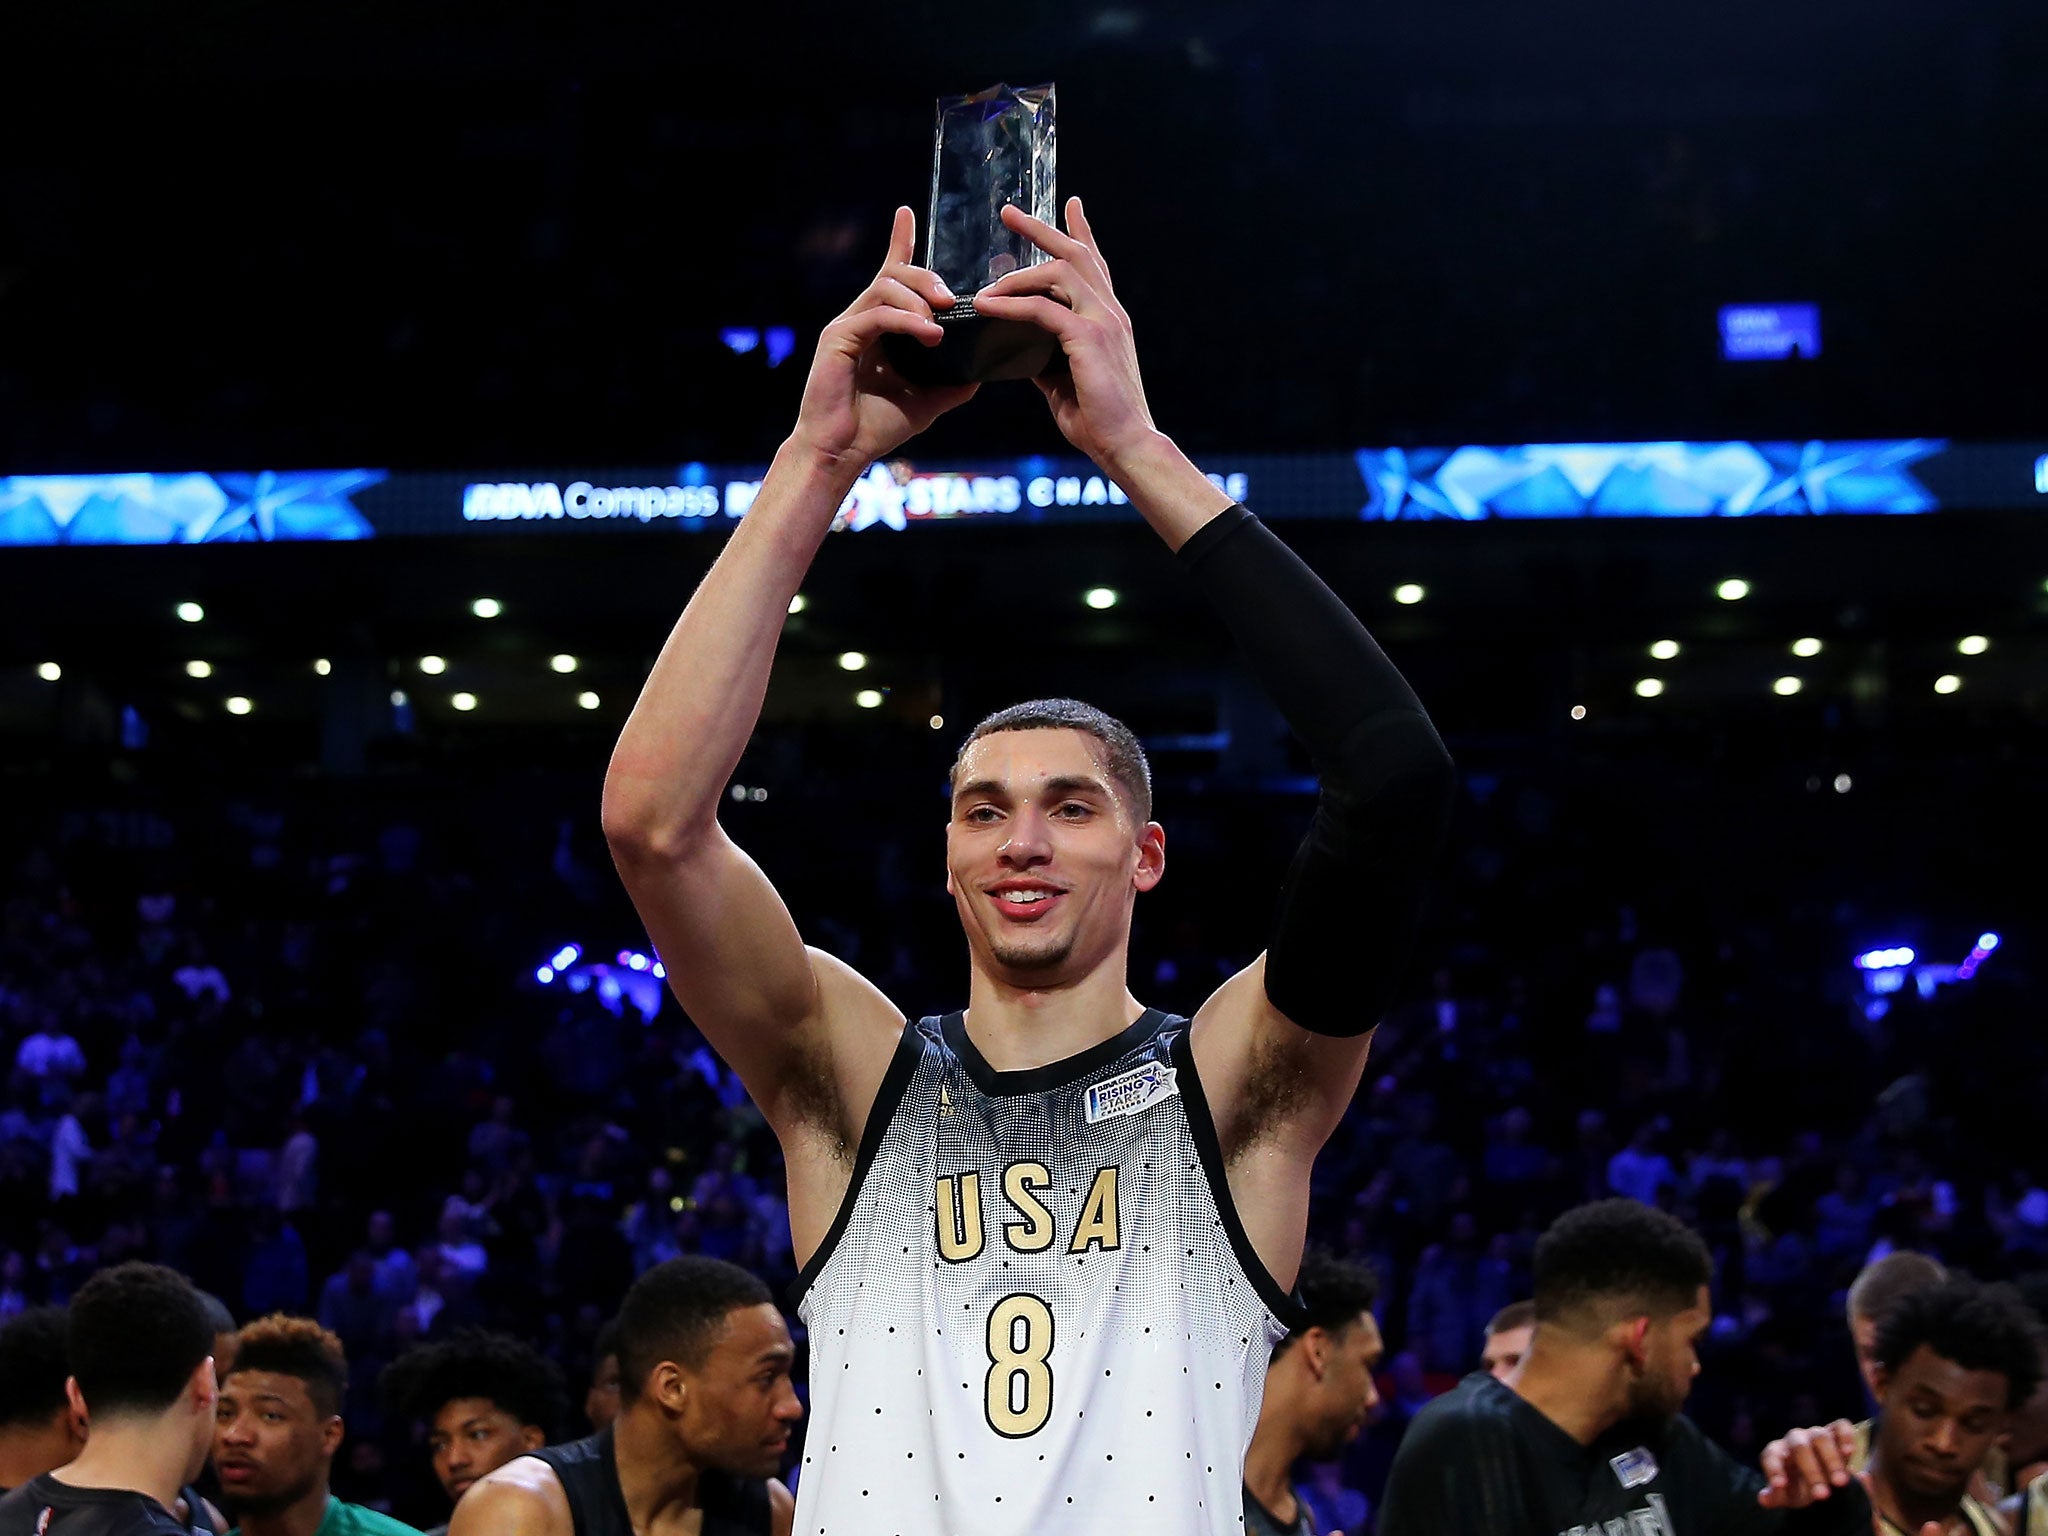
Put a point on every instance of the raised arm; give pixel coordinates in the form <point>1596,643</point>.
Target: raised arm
<point>803,1031</point>
<point>1280,1047</point>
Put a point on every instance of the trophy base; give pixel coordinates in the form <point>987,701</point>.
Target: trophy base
<point>978,349</point>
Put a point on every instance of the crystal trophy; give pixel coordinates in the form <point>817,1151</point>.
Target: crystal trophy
<point>990,149</point>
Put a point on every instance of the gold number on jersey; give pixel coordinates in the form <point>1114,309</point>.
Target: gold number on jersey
<point>1019,1395</point>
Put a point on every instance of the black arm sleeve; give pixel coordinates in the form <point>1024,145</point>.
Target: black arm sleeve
<point>1353,898</point>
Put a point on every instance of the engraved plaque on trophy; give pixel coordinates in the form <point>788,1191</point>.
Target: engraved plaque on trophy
<point>990,149</point>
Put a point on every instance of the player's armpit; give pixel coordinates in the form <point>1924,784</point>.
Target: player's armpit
<point>521,1498</point>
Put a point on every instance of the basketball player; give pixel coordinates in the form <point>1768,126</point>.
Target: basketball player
<point>1588,1435</point>
<point>39,1429</point>
<point>704,1424</point>
<point>1047,1239</point>
<point>601,1402</point>
<point>1319,1392</point>
<point>1507,1339</point>
<point>139,1349</point>
<point>1954,1363</point>
<point>484,1399</point>
<point>278,1428</point>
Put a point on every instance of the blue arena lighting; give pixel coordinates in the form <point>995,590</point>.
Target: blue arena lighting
<point>544,975</point>
<point>567,956</point>
<point>1896,958</point>
<point>740,340</point>
<point>1987,942</point>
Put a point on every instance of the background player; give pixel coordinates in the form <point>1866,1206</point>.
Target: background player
<point>484,1399</point>
<point>1507,1339</point>
<point>1319,1392</point>
<point>1590,1431</point>
<point>278,1428</point>
<point>704,1423</point>
<point>39,1429</point>
<point>140,1346</point>
<point>895,1138</point>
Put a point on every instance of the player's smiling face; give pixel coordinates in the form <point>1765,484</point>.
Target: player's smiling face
<point>1045,855</point>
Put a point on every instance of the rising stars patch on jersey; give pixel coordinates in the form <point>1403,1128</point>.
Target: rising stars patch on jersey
<point>1036,1309</point>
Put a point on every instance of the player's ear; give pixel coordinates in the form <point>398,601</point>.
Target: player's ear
<point>1315,1350</point>
<point>1635,1342</point>
<point>1151,857</point>
<point>331,1434</point>
<point>668,1386</point>
<point>532,1437</point>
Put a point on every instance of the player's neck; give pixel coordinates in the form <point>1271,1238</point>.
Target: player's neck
<point>1271,1456</point>
<point>302,1517</point>
<point>27,1453</point>
<point>1573,1388</point>
<point>138,1456</point>
<point>656,1475</point>
<point>1017,1027</point>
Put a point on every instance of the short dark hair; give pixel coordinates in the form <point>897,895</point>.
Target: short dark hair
<point>472,1363</point>
<point>1618,1250</point>
<point>1882,1282</point>
<point>1120,745</point>
<point>136,1333</point>
<point>217,1312</point>
<point>1980,1327</point>
<point>296,1346</point>
<point>1333,1294</point>
<point>1516,1314</point>
<point>34,1364</point>
<point>675,1312</point>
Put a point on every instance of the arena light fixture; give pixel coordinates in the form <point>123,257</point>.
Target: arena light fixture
<point>487,607</point>
<point>1973,645</point>
<point>1408,594</point>
<point>1100,597</point>
<point>1785,687</point>
<point>1578,711</point>
<point>799,603</point>
<point>587,700</point>
<point>400,698</point>
<point>1948,682</point>
<point>49,672</point>
<point>191,613</point>
<point>868,698</point>
<point>1733,590</point>
<point>463,701</point>
<point>433,666</point>
<point>1806,647</point>
<point>239,705</point>
<point>322,666</point>
<point>199,669</point>
<point>938,722</point>
<point>1843,783</point>
<point>1894,958</point>
<point>1649,687</point>
<point>1664,650</point>
<point>852,661</point>
<point>563,663</point>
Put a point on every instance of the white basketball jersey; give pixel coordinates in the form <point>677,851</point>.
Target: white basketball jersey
<point>1036,1310</point>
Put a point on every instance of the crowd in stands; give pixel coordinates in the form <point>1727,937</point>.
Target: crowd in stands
<point>295,1043</point>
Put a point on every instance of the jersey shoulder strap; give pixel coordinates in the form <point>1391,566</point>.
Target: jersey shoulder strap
<point>589,1475</point>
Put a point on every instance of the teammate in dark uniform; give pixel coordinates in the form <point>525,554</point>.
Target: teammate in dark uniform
<point>704,1361</point>
<point>140,1351</point>
<point>484,1399</point>
<point>1319,1392</point>
<point>1588,1437</point>
<point>998,1107</point>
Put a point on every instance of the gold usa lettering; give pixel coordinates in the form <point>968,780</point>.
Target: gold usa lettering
<point>962,1218</point>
